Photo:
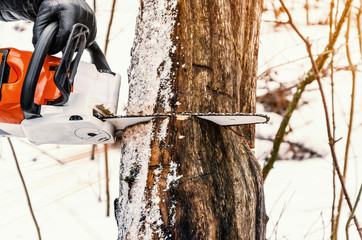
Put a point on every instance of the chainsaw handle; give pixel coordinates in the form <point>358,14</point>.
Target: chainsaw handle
<point>31,109</point>
<point>66,71</point>
<point>98,58</point>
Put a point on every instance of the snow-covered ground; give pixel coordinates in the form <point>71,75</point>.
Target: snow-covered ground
<point>67,191</point>
<point>69,197</point>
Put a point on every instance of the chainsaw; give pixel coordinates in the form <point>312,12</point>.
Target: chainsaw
<point>51,100</point>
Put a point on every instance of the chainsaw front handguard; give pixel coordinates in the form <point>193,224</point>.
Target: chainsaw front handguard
<point>65,72</point>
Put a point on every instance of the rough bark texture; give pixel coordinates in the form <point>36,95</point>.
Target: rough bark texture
<point>189,178</point>
<point>218,49</point>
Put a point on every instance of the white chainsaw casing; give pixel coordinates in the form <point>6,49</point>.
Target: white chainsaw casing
<point>103,87</point>
<point>74,122</point>
<point>8,129</point>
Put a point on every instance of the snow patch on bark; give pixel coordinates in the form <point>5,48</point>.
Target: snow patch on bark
<point>154,220</point>
<point>136,153</point>
<point>163,130</point>
<point>150,72</point>
<point>150,79</point>
<point>172,181</point>
<point>172,178</point>
<point>140,217</point>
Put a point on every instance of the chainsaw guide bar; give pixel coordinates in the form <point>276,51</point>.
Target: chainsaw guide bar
<point>223,119</point>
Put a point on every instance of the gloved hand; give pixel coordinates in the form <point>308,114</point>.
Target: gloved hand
<point>66,13</point>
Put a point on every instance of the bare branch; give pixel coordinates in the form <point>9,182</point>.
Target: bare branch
<point>25,189</point>
<point>110,26</point>
<point>300,146</point>
<point>309,78</point>
<point>331,141</point>
<point>353,211</point>
<point>359,27</point>
<point>107,177</point>
<point>331,20</point>
<point>351,114</point>
<point>307,11</point>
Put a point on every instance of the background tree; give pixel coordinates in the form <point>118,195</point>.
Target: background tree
<point>186,178</point>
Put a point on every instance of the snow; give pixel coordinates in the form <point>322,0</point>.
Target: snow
<point>132,202</point>
<point>68,198</point>
<point>153,221</point>
<point>298,193</point>
<point>151,78</point>
<point>141,218</point>
<point>150,82</point>
<point>163,130</point>
<point>172,177</point>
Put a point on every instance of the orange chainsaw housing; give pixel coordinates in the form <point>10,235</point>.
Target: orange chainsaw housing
<point>46,90</point>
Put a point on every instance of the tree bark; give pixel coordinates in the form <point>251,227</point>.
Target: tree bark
<point>186,178</point>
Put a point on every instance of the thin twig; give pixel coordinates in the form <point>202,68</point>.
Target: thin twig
<point>107,178</point>
<point>325,107</point>
<point>99,182</point>
<point>284,208</point>
<point>336,13</point>
<point>25,189</point>
<point>109,26</point>
<point>311,231</point>
<point>298,145</point>
<point>307,11</point>
<point>42,151</point>
<point>332,69</point>
<point>351,114</point>
<point>274,21</point>
<point>353,211</point>
<point>309,78</point>
<point>93,152</point>
<point>359,27</point>
<point>333,115</point>
<point>279,65</point>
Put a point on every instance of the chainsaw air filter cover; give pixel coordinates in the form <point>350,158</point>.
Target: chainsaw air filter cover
<point>14,64</point>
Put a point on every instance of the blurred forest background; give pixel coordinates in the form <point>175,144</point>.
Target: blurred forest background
<point>309,65</point>
<point>308,83</point>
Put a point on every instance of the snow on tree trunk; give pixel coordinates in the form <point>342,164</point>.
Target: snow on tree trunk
<point>186,178</point>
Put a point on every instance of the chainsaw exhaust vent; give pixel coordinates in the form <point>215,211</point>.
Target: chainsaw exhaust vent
<point>75,118</point>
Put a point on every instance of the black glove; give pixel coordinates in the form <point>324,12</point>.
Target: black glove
<point>66,13</point>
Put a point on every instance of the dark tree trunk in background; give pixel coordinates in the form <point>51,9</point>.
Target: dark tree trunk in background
<point>186,178</point>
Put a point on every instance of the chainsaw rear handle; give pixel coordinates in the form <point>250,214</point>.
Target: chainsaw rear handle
<point>66,70</point>
<point>4,68</point>
<point>31,109</point>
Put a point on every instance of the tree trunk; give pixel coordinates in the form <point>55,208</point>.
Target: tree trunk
<point>186,178</point>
